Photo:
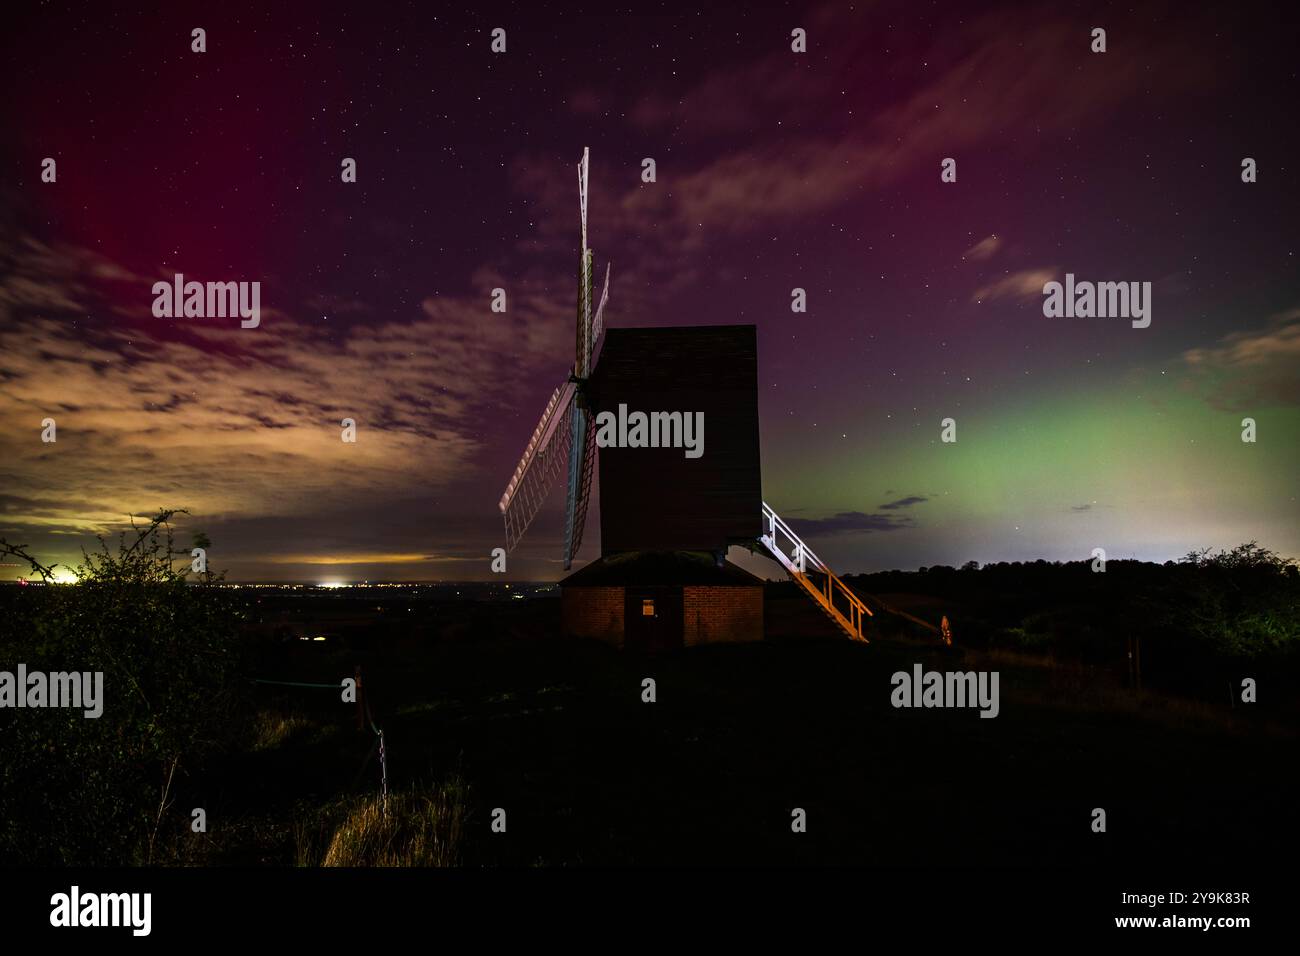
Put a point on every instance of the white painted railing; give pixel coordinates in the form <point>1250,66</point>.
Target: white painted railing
<point>777,537</point>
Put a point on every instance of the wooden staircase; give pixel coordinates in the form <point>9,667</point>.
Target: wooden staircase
<point>835,599</point>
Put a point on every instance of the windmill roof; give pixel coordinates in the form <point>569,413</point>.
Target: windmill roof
<point>650,568</point>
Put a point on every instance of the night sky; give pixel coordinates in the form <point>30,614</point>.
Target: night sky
<point>775,170</point>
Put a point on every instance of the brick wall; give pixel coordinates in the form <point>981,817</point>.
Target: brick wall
<point>722,614</point>
<point>593,612</point>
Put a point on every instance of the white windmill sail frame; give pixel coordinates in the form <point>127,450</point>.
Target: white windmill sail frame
<point>566,431</point>
<point>542,437</point>
<point>598,323</point>
<point>581,445</point>
<point>582,363</point>
<point>547,452</point>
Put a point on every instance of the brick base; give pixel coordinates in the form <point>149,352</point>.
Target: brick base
<point>593,612</point>
<point>712,615</point>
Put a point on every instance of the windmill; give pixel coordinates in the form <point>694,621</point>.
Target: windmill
<point>566,431</point>
<point>667,521</point>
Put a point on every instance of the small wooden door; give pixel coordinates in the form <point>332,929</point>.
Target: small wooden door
<point>652,619</point>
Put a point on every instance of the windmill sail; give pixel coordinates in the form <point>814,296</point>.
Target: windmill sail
<point>543,457</point>
<point>598,323</point>
<point>582,452</point>
<point>566,432</point>
<point>582,442</point>
<point>582,363</point>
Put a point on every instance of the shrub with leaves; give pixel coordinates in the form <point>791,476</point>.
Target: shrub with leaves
<point>1243,602</point>
<point>76,790</point>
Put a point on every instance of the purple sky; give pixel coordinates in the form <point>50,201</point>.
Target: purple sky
<point>775,170</point>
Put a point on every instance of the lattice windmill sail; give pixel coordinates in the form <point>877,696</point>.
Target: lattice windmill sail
<point>566,431</point>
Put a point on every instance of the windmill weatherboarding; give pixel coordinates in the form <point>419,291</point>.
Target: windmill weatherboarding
<point>666,521</point>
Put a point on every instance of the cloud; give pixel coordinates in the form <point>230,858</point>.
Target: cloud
<point>904,503</point>
<point>860,522</point>
<point>1251,369</point>
<point>984,249</point>
<point>241,424</point>
<point>849,521</point>
<point>360,558</point>
<point>1022,285</point>
<point>983,79</point>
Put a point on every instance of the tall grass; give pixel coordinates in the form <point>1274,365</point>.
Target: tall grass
<point>272,729</point>
<point>416,828</point>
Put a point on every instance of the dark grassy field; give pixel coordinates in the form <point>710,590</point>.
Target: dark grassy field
<point>555,732</point>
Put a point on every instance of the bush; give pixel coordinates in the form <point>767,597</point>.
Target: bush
<point>1242,603</point>
<point>81,791</point>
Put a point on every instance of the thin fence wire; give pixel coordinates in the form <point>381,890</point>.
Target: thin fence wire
<point>370,718</point>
